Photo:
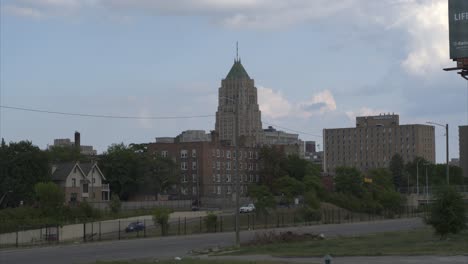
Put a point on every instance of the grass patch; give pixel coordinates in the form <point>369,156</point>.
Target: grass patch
<point>192,261</point>
<point>415,242</point>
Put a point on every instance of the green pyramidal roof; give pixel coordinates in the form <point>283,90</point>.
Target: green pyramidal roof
<point>237,71</point>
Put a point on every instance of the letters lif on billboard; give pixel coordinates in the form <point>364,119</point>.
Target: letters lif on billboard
<point>458,27</point>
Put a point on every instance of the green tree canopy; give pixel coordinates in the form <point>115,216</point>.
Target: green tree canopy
<point>65,154</point>
<point>273,165</point>
<point>263,198</point>
<point>448,212</point>
<point>22,165</point>
<point>349,180</point>
<point>49,197</point>
<point>397,167</point>
<point>131,170</point>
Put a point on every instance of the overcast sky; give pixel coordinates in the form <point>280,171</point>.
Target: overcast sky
<point>316,64</point>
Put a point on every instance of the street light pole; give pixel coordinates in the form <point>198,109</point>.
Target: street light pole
<point>417,176</point>
<point>447,147</point>
<point>447,152</point>
<point>427,187</point>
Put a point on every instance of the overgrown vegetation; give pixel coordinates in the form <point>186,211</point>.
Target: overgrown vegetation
<point>376,197</point>
<point>415,242</point>
<point>211,221</point>
<point>161,218</point>
<point>447,213</point>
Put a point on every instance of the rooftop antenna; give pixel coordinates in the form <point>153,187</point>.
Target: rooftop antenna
<point>237,50</point>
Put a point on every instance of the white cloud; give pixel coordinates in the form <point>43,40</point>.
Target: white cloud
<point>48,8</point>
<point>423,23</point>
<point>23,12</point>
<point>427,25</point>
<point>274,105</point>
<point>363,111</point>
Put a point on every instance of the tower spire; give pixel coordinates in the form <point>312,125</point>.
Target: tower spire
<point>237,51</point>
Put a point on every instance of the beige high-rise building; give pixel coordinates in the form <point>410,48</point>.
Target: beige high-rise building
<point>463,141</point>
<point>374,141</point>
<point>239,88</point>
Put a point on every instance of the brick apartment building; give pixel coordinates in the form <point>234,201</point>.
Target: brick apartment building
<point>207,169</point>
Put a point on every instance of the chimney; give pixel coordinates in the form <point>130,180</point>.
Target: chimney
<point>77,140</point>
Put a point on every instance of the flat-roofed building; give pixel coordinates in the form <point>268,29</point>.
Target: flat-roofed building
<point>374,141</point>
<point>207,169</point>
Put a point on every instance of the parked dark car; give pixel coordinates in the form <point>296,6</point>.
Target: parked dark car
<point>135,227</point>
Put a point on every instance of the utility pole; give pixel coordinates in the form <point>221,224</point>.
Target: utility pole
<point>447,146</point>
<point>417,176</point>
<point>447,153</point>
<point>427,187</point>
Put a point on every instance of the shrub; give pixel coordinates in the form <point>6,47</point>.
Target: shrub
<point>264,199</point>
<point>311,214</point>
<point>161,218</point>
<point>211,220</point>
<point>87,211</point>
<point>311,200</point>
<point>115,204</point>
<point>447,213</point>
<point>49,197</point>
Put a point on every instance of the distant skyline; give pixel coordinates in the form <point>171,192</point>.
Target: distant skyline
<point>316,64</point>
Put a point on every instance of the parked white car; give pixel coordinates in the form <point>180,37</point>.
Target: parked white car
<point>247,208</point>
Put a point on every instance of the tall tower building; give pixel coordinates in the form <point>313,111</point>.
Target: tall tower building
<point>239,88</point>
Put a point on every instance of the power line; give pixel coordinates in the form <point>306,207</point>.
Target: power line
<point>135,117</point>
<point>102,116</point>
<point>292,130</point>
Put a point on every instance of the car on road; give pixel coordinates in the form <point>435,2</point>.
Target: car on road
<point>135,227</point>
<point>247,208</point>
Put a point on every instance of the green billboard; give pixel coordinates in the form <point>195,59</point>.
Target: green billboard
<point>458,27</point>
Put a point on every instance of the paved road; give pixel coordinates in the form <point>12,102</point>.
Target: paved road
<point>357,260</point>
<point>169,247</point>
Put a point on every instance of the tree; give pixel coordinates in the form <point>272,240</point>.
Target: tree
<point>131,170</point>
<point>50,197</point>
<point>314,183</point>
<point>447,212</point>
<point>349,180</point>
<point>211,220</point>
<point>160,174</point>
<point>381,179</point>
<point>161,218</point>
<point>397,167</point>
<point>297,167</point>
<point>64,154</point>
<point>115,204</point>
<point>22,165</point>
<point>288,187</point>
<point>263,198</point>
<point>123,169</point>
<point>273,163</point>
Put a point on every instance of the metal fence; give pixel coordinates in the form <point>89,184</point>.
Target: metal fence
<point>423,189</point>
<point>118,229</point>
<point>176,205</point>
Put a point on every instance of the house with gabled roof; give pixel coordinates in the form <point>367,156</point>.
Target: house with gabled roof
<point>81,181</point>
